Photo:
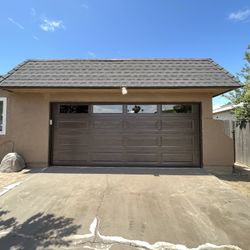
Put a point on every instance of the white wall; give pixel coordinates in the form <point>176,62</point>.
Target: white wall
<point>226,115</point>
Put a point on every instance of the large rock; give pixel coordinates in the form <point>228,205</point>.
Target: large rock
<point>12,162</point>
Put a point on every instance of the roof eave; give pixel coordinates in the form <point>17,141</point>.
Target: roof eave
<point>227,88</point>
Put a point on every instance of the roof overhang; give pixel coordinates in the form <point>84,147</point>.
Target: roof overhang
<point>214,91</point>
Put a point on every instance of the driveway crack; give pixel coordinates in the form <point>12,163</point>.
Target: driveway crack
<point>102,196</point>
<point>100,205</point>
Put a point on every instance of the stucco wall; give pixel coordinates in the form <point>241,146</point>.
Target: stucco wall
<point>28,120</point>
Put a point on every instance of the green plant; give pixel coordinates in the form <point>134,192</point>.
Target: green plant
<point>241,97</point>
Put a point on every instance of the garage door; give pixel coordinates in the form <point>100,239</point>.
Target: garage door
<point>125,135</point>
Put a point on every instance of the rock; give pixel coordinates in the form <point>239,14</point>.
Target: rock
<point>12,162</point>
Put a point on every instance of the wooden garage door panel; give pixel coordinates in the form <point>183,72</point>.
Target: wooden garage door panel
<point>107,123</point>
<point>141,124</point>
<point>68,162</point>
<point>111,149</point>
<point>178,140</point>
<point>106,140</point>
<point>72,124</point>
<point>177,164</point>
<point>161,139</point>
<point>71,132</point>
<point>141,140</point>
<point>142,150</point>
<point>64,148</point>
<point>71,155</point>
<point>177,149</point>
<point>144,158</point>
<point>106,157</point>
<point>67,140</point>
<point>177,125</point>
<point>177,157</point>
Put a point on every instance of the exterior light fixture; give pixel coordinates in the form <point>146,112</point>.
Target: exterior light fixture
<point>124,90</point>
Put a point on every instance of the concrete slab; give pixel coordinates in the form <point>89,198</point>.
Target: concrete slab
<point>55,208</point>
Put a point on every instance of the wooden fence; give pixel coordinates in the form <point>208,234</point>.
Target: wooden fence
<point>241,136</point>
<point>242,144</point>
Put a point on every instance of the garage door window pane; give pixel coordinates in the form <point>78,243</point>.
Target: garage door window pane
<point>176,108</point>
<point>107,109</point>
<point>142,109</point>
<point>73,109</point>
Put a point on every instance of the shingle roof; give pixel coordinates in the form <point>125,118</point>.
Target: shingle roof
<point>144,73</point>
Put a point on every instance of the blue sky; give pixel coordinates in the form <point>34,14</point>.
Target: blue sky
<point>125,29</point>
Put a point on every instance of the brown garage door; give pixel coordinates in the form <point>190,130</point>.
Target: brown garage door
<point>127,135</point>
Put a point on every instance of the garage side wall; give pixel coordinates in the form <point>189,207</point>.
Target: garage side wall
<point>28,121</point>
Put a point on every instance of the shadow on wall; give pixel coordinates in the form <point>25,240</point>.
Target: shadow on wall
<point>40,230</point>
<point>5,148</point>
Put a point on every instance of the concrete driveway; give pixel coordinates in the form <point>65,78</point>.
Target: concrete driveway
<point>57,209</point>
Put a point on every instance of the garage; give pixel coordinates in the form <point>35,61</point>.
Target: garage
<point>116,112</point>
<point>132,134</point>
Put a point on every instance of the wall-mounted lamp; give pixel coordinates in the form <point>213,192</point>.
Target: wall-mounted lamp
<point>124,90</point>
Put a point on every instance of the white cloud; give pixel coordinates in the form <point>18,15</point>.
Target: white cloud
<point>33,11</point>
<point>36,38</point>
<point>240,15</point>
<point>51,25</point>
<point>85,6</point>
<point>92,54</point>
<point>15,23</point>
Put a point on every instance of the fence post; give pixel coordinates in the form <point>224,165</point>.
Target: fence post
<point>234,147</point>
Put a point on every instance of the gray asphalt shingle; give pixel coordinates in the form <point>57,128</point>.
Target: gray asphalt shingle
<point>144,73</point>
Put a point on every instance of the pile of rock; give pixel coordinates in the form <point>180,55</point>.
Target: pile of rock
<point>12,162</point>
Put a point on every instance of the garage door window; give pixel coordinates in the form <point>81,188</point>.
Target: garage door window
<point>3,102</point>
<point>107,109</point>
<point>73,109</point>
<point>141,109</point>
<point>176,108</point>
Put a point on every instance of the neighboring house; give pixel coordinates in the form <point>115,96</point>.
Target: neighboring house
<point>225,112</point>
<point>73,112</point>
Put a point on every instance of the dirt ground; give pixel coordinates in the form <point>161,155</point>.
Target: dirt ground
<point>11,178</point>
<point>239,180</point>
<point>7,179</point>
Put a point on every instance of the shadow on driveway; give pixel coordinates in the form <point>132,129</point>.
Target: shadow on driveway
<point>240,174</point>
<point>124,170</point>
<point>40,230</point>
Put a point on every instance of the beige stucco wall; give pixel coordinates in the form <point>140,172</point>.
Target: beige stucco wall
<point>28,120</point>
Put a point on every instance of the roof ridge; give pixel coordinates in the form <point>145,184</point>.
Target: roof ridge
<point>119,59</point>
